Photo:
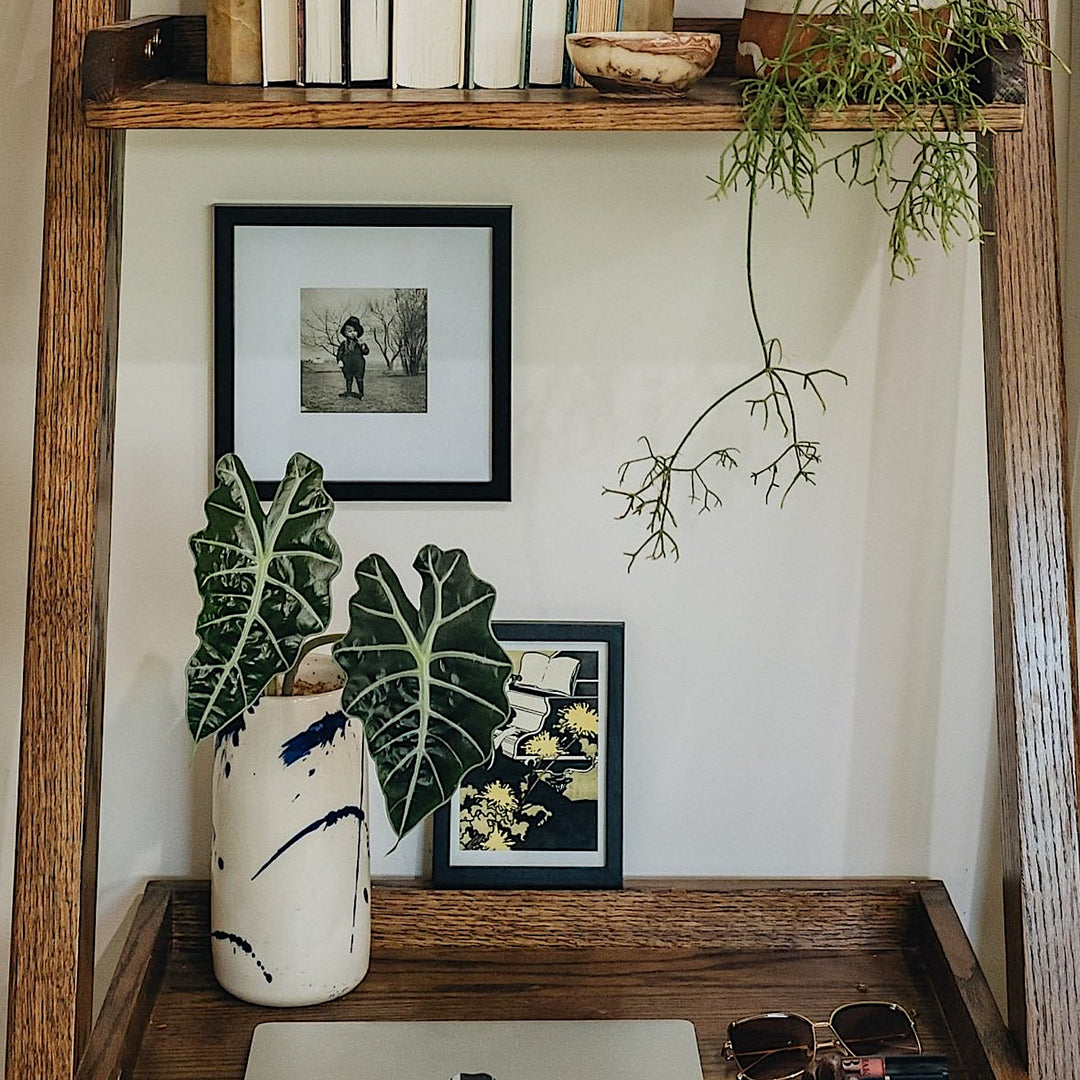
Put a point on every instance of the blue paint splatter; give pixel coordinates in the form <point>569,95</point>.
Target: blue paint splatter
<point>231,732</point>
<point>245,947</point>
<point>359,853</point>
<point>321,733</point>
<point>321,823</point>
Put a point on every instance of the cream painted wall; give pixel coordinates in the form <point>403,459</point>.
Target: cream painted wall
<point>809,691</point>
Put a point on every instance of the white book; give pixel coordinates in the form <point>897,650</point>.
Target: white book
<point>547,42</point>
<point>278,25</point>
<point>369,40</point>
<point>551,674</point>
<point>429,43</point>
<point>322,42</point>
<point>496,47</point>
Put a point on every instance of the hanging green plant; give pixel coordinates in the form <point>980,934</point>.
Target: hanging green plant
<point>917,73</point>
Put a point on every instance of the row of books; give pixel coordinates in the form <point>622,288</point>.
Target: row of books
<point>427,43</point>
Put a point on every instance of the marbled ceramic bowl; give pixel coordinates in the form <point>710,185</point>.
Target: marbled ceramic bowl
<point>638,63</point>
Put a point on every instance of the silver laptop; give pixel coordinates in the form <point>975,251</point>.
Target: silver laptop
<point>500,1049</point>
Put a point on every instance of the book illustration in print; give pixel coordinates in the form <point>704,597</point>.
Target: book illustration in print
<point>540,792</point>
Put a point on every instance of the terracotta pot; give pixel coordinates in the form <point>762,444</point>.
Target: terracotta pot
<point>766,25</point>
<point>290,875</point>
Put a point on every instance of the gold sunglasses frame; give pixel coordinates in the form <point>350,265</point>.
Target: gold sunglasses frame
<point>729,1053</point>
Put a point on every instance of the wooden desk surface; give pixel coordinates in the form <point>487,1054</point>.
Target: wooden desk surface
<point>709,954</point>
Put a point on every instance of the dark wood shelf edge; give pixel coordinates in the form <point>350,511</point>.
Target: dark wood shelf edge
<point>964,994</point>
<point>716,914</point>
<point>151,73</point>
<point>117,1035</point>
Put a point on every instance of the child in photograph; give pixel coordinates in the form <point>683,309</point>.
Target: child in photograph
<point>350,357</point>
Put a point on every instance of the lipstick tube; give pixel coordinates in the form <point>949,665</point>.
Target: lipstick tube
<point>908,1067</point>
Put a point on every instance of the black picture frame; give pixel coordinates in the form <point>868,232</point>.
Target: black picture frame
<point>571,867</point>
<point>263,426</point>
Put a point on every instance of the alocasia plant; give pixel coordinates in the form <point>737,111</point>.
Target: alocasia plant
<point>264,578</point>
<point>428,682</point>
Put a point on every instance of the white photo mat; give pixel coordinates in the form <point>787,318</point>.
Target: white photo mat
<point>451,441</point>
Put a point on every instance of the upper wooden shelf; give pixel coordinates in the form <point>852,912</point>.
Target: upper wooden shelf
<point>149,73</point>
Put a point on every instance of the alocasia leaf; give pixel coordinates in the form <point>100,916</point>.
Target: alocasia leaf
<point>265,581</point>
<point>429,684</point>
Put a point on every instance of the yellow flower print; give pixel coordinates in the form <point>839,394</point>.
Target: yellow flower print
<point>580,719</point>
<point>500,794</point>
<point>544,746</point>
<point>496,840</point>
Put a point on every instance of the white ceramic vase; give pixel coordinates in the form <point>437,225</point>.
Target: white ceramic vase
<point>290,867</point>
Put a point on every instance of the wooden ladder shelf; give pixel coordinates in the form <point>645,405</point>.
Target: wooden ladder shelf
<point>132,79</point>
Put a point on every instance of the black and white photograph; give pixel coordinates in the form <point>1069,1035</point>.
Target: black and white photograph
<point>376,339</point>
<point>363,350</point>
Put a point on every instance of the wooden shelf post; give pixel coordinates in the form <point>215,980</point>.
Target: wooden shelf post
<point>52,939</point>
<point>1034,629</point>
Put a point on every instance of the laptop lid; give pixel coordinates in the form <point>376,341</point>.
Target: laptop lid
<point>500,1049</point>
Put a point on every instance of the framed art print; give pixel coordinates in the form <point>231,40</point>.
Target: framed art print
<point>547,809</point>
<point>376,339</point>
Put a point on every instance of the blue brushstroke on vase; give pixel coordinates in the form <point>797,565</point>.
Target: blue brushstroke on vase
<point>230,733</point>
<point>245,947</point>
<point>321,733</point>
<point>325,822</point>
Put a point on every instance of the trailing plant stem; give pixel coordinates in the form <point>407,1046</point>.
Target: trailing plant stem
<point>655,487</point>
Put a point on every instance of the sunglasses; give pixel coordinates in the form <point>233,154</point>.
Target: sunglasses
<point>782,1046</point>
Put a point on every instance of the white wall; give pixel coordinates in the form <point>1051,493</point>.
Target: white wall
<point>809,691</point>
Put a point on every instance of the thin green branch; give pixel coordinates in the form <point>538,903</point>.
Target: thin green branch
<point>648,483</point>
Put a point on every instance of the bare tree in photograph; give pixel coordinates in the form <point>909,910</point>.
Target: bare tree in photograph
<point>320,326</point>
<point>398,321</point>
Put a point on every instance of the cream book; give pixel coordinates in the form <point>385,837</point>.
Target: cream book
<point>547,42</point>
<point>551,674</point>
<point>429,43</point>
<point>278,22</point>
<point>323,54</point>
<point>496,46</point>
<point>369,40</point>
<point>498,1049</point>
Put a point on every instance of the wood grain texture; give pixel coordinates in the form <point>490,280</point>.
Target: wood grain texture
<point>1034,633</point>
<point>712,105</point>
<point>534,955</point>
<point>964,994</point>
<point>127,54</point>
<point>52,941</point>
